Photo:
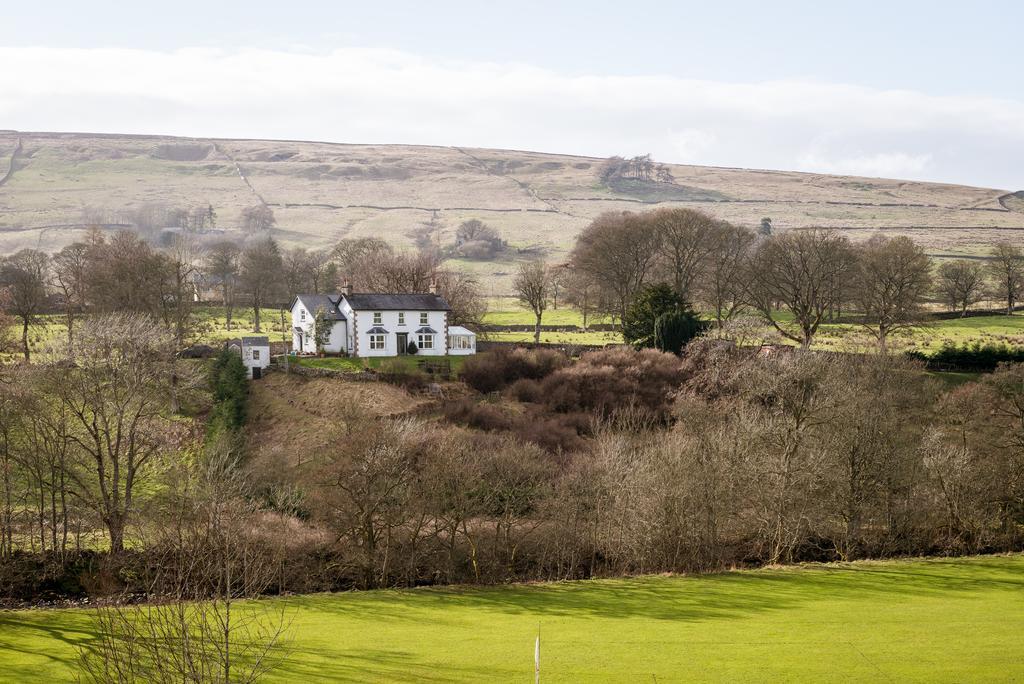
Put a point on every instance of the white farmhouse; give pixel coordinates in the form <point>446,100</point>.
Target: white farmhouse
<point>378,324</point>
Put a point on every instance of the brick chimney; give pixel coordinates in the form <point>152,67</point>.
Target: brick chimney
<point>346,288</point>
<point>433,286</point>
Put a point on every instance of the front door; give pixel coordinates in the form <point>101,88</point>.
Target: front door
<point>402,340</point>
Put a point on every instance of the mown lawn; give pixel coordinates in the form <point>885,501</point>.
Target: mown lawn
<point>350,364</point>
<point>943,620</point>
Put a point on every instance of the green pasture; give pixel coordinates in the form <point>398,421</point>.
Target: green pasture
<point>508,311</point>
<point>940,620</point>
<point>210,328</point>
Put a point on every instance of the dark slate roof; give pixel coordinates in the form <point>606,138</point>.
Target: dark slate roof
<point>427,330</point>
<point>315,302</point>
<point>256,341</point>
<point>376,330</point>
<point>397,302</point>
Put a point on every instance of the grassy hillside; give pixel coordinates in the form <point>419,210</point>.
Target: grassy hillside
<point>943,620</point>
<point>53,185</point>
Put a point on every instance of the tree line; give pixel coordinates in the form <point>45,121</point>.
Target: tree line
<point>122,272</point>
<point>813,275</point>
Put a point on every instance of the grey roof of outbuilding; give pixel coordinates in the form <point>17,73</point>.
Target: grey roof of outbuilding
<point>317,302</point>
<point>397,302</point>
<point>256,341</point>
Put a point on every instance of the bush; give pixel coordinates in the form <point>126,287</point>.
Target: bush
<point>526,390</point>
<point>470,413</point>
<point>229,383</point>
<point>556,433</point>
<point>606,382</point>
<point>675,329</point>
<point>975,356</point>
<point>395,372</point>
<point>498,369</point>
<point>412,349</point>
<point>653,301</point>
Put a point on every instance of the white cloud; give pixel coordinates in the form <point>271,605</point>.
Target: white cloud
<point>369,95</point>
<point>879,165</point>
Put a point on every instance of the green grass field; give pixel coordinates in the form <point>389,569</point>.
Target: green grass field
<point>941,620</point>
<point>210,329</point>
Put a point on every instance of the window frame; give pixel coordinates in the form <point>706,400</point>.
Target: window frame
<point>378,318</point>
<point>378,339</point>
<point>424,318</point>
<point>255,354</point>
<point>401,318</point>
<point>422,337</point>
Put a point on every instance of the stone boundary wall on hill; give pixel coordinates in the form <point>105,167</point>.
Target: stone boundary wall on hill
<point>597,327</point>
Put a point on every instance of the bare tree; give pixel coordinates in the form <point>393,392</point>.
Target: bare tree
<point>362,488</point>
<point>618,252</point>
<point>474,239</point>
<point>24,276</point>
<point>115,398</point>
<point>260,274</point>
<point>382,270</point>
<point>183,260</point>
<point>258,218</point>
<point>581,292</point>
<point>351,255</point>
<point>532,287</point>
<point>558,275</point>
<point>890,283</point>
<point>688,239</point>
<point>209,558</point>
<point>323,271</point>
<point>222,265</point>
<point>69,278</point>
<point>125,274</point>
<point>961,283</point>
<point>296,271</point>
<point>800,271</point>
<point>1006,268</point>
<point>723,283</point>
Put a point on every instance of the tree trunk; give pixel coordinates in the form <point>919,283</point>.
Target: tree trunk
<point>115,527</point>
<point>226,299</point>
<point>536,330</point>
<point>256,317</point>
<point>71,329</point>
<point>24,338</point>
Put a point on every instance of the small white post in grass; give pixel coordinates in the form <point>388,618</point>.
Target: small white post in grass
<point>536,658</point>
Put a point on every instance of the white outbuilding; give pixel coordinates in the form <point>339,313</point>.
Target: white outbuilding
<point>255,353</point>
<point>461,341</point>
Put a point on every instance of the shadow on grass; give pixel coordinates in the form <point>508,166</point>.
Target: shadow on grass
<point>329,632</point>
<point>726,596</point>
<point>53,636</point>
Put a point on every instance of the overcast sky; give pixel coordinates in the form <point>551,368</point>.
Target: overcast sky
<point>917,90</point>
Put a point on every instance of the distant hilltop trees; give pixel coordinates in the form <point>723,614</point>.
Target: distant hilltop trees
<point>639,168</point>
